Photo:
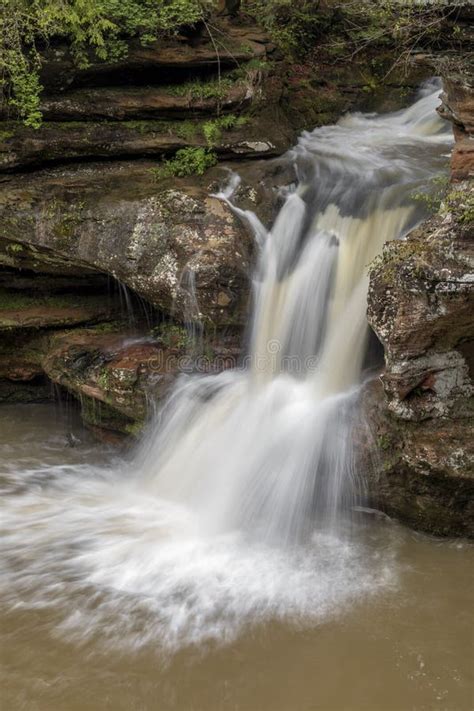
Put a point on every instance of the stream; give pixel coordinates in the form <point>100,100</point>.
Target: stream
<point>225,562</point>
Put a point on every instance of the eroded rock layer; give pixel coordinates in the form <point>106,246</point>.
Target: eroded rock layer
<point>421,306</point>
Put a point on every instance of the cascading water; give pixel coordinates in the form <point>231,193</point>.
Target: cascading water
<point>236,506</point>
<point>267,450</point>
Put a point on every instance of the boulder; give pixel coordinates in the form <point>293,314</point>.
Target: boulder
<point>174,245</point>
<point>421,473</point>
<point>421,301</point>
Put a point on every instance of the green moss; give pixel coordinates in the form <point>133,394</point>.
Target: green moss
<point>5,135</point>
<point>461,203</point>
<point>101,414</point>
<point>103,380</point>
<point>384,442</point>
<point>66,217</point>
<point>64,229</point>
<point>134,429</point>
<point>170,335</point>
<point>396,253</point>
<point>183,129</point>
<point>212,130</point>
<point>107,327</point>
<point>14,300</point>
<point>213,89</point>
<point>432,196</point>
<point>186,161</point>
<point>17,300</point>
<point>15,248</point>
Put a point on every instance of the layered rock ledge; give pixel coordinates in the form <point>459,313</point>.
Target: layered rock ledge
<point>421,414</point>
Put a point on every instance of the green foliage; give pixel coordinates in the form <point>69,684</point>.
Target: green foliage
<point>5,135</point>
<point>212,130</point>
<point>95,30</point>
<point>460,202</point>
<point>15,248</point>
<point>187,161</point>
<point>171,335</point>
<point>432,196</point>
<point>343,28</point>
<point>214,89</point>
<point>388,23</point>
<point>294,25</point>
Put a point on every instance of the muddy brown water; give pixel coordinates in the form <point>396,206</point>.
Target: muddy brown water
<point>407,647</point>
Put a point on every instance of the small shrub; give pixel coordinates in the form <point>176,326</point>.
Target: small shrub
<point>294,25</point>
<point>212,130</point>
<point>187,161</point>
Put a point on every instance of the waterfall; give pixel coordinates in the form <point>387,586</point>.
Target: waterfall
<point>235,509</point>
<point>268,449</point>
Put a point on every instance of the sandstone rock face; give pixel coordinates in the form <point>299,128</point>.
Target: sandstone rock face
<point>157,62</point>
<point>154,101</point>
<point>421,306</point>
<point>73,231</point>
<point>116,220</point>
<point>123,103</point>
<point>69,225</point>
<point>421,303</point>
<point>458,107</point>
<point>57,142</point>
<point>421,473</point>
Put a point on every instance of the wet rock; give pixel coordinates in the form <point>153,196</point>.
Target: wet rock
<point>421,301</point>
<point>14,391</point>
<point>119,377</point>
<point>109,377</point>
<point>22,378</point>
<point>19,310</point>
<point>62,142</point>
<point>458,107</point>
<point>421,473</point>
<point>117,220</point>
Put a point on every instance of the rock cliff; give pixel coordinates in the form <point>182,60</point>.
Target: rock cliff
<point>117,269</point>
<point>421,306</point>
